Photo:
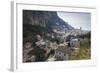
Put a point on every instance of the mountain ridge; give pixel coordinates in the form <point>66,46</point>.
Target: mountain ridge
<point>45,18</point>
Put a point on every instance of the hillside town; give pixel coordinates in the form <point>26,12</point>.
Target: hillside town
<point>46,37</point>
<point>60,47</point>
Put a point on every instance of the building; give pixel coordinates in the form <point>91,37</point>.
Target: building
<point>75,43</point>
<point>61,55</point>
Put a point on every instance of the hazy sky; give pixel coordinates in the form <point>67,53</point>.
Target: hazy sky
<point>77,20</point>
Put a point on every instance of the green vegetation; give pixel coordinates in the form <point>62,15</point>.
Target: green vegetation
<point>85,40</point>
<point>85,48</point>
<point>81,54</point>
<point>85,43</point>
<point>39,54</point>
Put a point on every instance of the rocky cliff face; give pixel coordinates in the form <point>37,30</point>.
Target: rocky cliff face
<point>45,19</point>
<point>42,23</point>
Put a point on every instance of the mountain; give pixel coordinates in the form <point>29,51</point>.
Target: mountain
<point>42,23</point>
<point>48,19</point>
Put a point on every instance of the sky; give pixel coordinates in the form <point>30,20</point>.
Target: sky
<point>76,19</point>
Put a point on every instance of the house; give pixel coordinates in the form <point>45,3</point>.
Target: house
<point>61,55</point>
<point>28,45</point>
<point>75,43</point>
<point>53,45</point>
<point>41,42</point>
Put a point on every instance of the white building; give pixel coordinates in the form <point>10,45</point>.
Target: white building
<point>75,43</point>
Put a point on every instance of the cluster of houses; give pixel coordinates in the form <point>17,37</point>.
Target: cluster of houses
<point>62,50</point>
<point>65,47</point>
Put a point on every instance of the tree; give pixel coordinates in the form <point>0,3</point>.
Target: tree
<point>39,54</point>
